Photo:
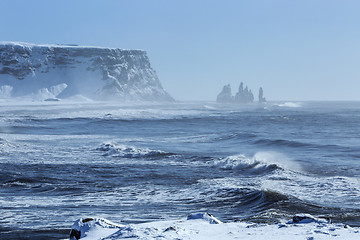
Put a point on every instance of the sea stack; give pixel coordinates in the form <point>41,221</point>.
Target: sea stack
<point>261,96</point>
<point>225,96</point>
<point>243,96</point>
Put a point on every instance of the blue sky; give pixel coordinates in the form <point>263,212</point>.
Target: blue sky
<point>294,49</point>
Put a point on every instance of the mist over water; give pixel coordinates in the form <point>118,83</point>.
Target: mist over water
<point>135,163</point>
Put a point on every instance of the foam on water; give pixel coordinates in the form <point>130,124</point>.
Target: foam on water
<point>119,150</point>
<point>289,104</point>
<point>98,110</point>
<point>261,162</point>
<point>326,191</point>
<point>248,165</point>
<point>139,163</point>
<point>280,159</point>
<point>6,144</point>
<point>278,173</point>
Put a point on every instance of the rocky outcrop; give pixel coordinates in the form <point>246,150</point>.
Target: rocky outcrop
<point>261,96</point>
<point>225,95</point>
<point>243,96</point>
<point>93,72</point>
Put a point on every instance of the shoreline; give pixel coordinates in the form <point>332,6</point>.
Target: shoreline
<point>201,226</point>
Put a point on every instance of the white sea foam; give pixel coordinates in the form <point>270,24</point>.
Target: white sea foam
<point>241,162</point>
<point>81,107</point>
<point>327,191</point>
<point>259,163</point>
<point>119,150</point>
<point>5,91</point>
<point>280,159</point>
<point>285,176</point>
<point>6,144</point>
<point>289,104</point>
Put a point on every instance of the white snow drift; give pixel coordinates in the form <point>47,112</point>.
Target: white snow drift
<point>203,226</point>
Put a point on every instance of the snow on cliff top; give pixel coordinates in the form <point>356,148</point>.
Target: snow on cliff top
<point>48,45</point>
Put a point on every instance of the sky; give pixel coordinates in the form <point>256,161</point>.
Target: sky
<point>293,49</point>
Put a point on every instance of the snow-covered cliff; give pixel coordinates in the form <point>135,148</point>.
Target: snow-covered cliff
<point>43,72</point>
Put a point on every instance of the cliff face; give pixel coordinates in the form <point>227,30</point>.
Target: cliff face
<point>67,70</point>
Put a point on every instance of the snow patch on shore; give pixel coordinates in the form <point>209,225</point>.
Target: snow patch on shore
<point>198,226</point>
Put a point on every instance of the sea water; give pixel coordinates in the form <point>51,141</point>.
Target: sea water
<point>146,162</point>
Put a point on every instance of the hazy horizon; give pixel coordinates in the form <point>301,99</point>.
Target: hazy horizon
<point>294,50</point>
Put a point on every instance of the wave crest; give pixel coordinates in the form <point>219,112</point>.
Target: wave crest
<point>119,150</point>
<point>243,163</point>
<point>289,104</point>
<point>261,162</point>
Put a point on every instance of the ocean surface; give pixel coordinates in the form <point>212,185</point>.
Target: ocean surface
<point>140,163</point>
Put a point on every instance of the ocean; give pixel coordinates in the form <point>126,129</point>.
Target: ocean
<point>135,163</point>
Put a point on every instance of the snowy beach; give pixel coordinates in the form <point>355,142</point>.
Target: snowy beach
<point>202,226</point>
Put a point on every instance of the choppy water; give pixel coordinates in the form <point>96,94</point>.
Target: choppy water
<point>140,163</point>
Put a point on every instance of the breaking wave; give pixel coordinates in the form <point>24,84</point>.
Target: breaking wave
<point>119,150</point>
<point>245,164</point>
<point>289,104</point>
<point>260,163</point>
